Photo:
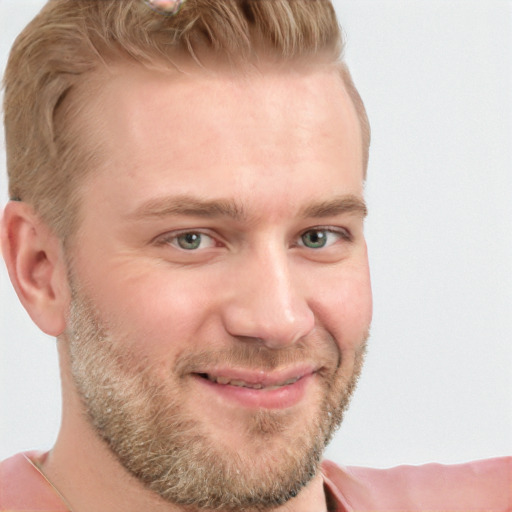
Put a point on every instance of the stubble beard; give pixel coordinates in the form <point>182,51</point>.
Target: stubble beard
<point>147,426</point>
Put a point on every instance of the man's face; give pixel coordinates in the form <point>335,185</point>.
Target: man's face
<point>221,293</point>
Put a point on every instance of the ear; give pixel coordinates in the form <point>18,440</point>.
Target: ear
<point>36,265</point>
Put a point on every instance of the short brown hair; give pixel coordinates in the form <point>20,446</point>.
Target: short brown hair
<point>70,39</point>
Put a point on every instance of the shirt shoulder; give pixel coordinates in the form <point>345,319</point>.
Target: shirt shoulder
<point>24,488</point>
<point>479,486</point>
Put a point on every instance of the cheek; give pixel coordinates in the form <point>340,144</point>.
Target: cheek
<point>344,306</point>
<point>168,316</point>
<point>155,312</point>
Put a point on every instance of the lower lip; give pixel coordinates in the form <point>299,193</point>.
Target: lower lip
<point>280,398</point>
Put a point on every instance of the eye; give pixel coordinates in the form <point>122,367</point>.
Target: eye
<point>190,240</point>
<point>321,238</point>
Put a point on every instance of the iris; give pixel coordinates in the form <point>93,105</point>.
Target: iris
<point>314,239</point>
<point>189,241</point>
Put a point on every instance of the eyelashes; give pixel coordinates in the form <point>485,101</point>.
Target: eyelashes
<point>189,240</point>
<point>320,238</point>
<point>316,238</point>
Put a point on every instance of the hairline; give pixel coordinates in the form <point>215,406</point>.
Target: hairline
<point>96,77</point>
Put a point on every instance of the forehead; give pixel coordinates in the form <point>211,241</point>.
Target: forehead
<point>202,133</point>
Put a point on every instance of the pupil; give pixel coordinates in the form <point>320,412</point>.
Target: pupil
<point>189,240</point>
<point>314,239</point>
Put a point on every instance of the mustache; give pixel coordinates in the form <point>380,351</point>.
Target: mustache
<point>321,352</point>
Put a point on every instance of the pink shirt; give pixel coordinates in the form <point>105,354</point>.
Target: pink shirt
<point>482,486</point>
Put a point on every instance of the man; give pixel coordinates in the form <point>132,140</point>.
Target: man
<point>186,218</point>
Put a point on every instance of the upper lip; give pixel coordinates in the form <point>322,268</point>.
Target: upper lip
<point>265,378</point>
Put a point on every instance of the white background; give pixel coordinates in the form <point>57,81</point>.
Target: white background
<point>436,76</point>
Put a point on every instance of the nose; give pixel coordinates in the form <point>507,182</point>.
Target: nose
<point>267,302</point>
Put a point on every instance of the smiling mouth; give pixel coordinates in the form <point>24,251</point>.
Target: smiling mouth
<point>251,385</point>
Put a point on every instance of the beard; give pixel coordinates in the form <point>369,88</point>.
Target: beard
<point>151,426</point>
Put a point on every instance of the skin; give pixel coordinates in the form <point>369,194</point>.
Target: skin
<point>276,145</point>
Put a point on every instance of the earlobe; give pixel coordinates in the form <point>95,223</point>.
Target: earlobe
<point>36,266</point>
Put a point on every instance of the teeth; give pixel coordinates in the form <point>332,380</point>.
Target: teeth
<point>243,384</point>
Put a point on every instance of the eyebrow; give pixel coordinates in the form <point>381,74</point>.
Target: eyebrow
<point>189,206</point>
<point>336,206</point>
<point>192,206</point>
